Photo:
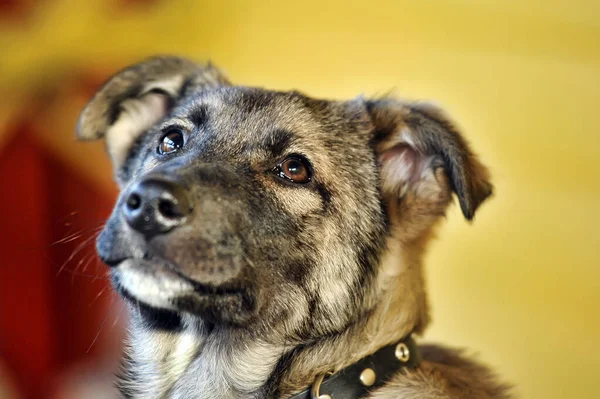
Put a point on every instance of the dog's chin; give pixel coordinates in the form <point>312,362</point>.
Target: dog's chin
<point>163,291</point>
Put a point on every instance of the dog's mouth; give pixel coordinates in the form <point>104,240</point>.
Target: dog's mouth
<point>161,286</point>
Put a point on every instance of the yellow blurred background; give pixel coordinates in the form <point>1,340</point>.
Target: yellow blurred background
<point>521,285</point>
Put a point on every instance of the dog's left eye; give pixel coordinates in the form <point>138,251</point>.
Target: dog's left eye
<point>295,168</point>
<point>171,141</point>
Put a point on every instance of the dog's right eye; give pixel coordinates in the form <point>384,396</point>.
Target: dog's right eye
<point>172,141</point>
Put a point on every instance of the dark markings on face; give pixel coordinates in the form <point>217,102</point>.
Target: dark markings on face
<point>325,195</point>
<point>159,319</point>
<point>130,162</point>
<point>252,100</point>
<point>185,86</point>
<point>199,116</point>
<point>277,142</point>
<point>297,271</point>
<point>227,166</point>
<point>232,309</point>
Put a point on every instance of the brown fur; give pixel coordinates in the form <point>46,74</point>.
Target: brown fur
<point>444,373</point>
<point>344,252</point>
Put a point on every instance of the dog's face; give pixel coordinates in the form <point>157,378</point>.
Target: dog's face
<point>244,206</point>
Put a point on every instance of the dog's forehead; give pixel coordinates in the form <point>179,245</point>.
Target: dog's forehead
<point>256,124</point>
<point>241,120</point>
<point>251,107</point>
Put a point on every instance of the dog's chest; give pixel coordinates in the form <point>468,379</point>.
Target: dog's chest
<point>193,365</point>
<point>236,372</point>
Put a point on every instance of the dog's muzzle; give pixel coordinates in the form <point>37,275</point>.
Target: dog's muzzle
<point>171,246</point>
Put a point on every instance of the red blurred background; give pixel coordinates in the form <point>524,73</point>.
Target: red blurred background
<point>64,318</point>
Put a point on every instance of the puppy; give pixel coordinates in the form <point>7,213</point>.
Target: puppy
<point>270,244</point>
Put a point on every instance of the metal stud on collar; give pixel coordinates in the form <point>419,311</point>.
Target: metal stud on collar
<point>367,377</point>
<point>402,352</point>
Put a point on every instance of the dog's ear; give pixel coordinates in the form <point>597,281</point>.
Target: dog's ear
<point>412,141</point>
<point>139,96</point>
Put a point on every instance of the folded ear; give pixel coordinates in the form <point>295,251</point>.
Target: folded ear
<point>136,98</point>
<point>412,140</point>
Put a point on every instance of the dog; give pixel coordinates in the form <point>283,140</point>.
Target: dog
<point>270,244</point>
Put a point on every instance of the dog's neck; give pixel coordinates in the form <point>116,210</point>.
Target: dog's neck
<point>208,362</point>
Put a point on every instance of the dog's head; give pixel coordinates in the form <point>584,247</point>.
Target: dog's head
<point>243,206</point>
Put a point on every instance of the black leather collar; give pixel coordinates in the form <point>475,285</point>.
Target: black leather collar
<point>368,373</point>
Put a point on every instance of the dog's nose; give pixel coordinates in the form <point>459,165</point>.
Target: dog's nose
<point>156,205</point>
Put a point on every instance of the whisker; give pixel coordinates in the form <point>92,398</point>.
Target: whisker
<point>88,256</point>
<point>118,316</point>
<point>69,238</point>
<point>248,261</point>
<point>98,296</point>
<point>91,258</point>
<point>83,259</point>
<point>99,330</point>
<point>73,236</point>
<point>79,274</point>
<point>98,334</point>
<point>98,263</point>
<point>75,252</point>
